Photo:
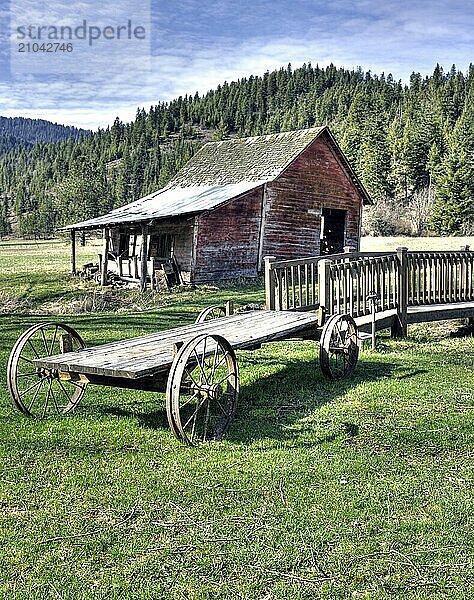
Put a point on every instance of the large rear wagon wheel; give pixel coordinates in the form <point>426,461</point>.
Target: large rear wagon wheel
<point>37,391</point>
<point>338,349</point>
<point>202,390</point>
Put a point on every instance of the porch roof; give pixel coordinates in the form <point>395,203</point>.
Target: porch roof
<point>170,202</point>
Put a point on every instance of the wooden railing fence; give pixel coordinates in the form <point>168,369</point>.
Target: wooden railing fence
<point>439,277</point>
<point>353,286</point>
<point>359,283</point>
<point>296,284</point>
<point>127,267</point>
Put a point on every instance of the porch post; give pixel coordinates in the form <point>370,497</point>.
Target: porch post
<point>105,254</point>
<point>324,287</point>
<point>73,251</point>
<point>143,271</point>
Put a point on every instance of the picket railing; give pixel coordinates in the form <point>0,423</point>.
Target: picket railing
<point>294,284</point>
<point>361,283</point>
<point>354,287</point>
<point>439,277</point>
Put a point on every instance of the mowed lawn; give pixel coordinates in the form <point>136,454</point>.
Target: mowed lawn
<point>356,489</point>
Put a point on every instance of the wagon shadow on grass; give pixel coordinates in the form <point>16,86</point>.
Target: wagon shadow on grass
<point>268,406</point>
<point>271,405</point>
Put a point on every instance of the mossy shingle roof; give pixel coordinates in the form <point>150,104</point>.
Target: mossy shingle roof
<point>260,158</point>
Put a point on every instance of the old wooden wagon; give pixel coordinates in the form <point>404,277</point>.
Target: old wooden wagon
<point>49,367</point>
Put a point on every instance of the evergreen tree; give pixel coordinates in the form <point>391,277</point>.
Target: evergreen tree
<point>374,158</point>
<point>83,194</point>
<point>5,228</point>
<point>453,211</point>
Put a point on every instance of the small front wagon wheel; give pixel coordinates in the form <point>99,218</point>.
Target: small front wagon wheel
<point>36,391</point>
<point>202,390</point>
<point>210,313</point>
<point>338,349</point>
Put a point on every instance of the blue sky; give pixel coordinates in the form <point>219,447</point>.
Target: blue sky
<point>195,45</point>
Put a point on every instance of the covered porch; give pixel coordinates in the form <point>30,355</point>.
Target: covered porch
<point>153,254</point>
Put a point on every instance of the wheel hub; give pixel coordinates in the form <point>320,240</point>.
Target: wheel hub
<point>47,373</point>
<point>208,390</point>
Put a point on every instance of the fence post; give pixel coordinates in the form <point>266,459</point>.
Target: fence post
<point>143,268</point>
<point>269,283</point>
<point>399,328</point>
<point>324,285</point>
<point>229,308</point>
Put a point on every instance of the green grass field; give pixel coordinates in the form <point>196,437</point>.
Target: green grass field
<point>356,489</point>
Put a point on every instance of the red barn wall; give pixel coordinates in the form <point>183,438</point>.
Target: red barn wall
<point>315,180</point>
<point>227,239</point>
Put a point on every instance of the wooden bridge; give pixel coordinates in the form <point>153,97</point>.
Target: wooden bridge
<point>389,289</point>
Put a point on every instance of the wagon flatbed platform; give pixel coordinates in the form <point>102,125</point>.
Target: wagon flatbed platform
<point>148,355</point>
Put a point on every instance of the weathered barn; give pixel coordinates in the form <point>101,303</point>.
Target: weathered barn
<point>288,195</point>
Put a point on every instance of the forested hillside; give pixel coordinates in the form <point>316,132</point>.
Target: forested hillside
<point>412,145</point>
<point>18,131</point>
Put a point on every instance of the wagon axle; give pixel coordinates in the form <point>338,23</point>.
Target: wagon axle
<point>206,390</point>
<point>47,373</point>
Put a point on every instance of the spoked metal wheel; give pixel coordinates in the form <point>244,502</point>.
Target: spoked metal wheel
<point>338,350</point>
<point>210,313</point>
<point>37,391</point>
<point>202,390</point>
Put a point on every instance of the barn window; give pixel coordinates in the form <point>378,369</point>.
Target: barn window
<point>162,245</point>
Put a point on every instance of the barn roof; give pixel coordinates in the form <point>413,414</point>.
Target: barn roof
<point>218,172</point>
<point>259,158</point>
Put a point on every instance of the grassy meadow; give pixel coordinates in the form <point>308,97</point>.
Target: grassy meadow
<point>356,489</point>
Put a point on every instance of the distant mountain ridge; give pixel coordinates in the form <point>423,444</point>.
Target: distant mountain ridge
<point>23,132</point>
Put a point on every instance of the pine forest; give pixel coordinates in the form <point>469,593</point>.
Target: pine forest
<point>411,144</point>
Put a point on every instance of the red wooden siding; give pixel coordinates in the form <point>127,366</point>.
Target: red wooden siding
<point>315,180</point>
<point>227,239</point>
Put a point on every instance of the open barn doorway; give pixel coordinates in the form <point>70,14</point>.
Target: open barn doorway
<point>333,228</point>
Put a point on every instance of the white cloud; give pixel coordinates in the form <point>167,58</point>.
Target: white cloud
<point>383,36</point>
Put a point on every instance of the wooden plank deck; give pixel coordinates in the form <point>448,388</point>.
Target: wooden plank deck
<point>383,320</point>
<point>440,312</point>
<point>149,354</point>
<point>417,314</point>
